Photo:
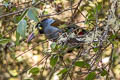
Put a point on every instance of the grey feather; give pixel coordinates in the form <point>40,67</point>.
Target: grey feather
<point>50,32</point>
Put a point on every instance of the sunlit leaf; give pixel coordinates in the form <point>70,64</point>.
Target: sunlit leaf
<point>4,41</point>
<point>45,12</point>
<point>91,76</point>
<point>96,49</point>
<point>13,72</point>
<point>33,14</point>
<point>82,64</point>
<point>34,71</point>
<point>98,7</point>
<point>62,71</point>
<point>53,45</point>
<point>91,16</point>
<point>21,29</point>
<point>53,60</point>
<point>17,38</point>
<point>59,46</point>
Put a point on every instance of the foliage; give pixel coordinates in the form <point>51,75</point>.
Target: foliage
<point>93,55</point>
<point>91,76</point>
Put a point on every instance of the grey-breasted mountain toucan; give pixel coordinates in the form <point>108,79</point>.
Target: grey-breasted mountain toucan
<point>45,27</point>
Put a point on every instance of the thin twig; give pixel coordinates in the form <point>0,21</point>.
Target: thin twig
<point>19,11</point>
<point>66,66</point>
<point>28,50</point>
<point>75,11</point>
<point>45,57</point>
<point>73,62</point>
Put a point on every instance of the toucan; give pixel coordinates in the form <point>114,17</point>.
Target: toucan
<point>45,27</point>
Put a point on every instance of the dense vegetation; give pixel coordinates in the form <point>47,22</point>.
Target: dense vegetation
<point>93,55</point>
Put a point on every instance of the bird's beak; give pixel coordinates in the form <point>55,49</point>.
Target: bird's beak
<point>30,37</point>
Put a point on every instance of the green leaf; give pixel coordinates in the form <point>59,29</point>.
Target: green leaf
<point>22,15</point>
<point>91,76</point>
<point>64,47</point>
<point>62,71</point>
<point>34,71</point>
<point>45,12</point>
<point>53,45</point>
<point>0,35</point>
<point>53,60</point>
<point>17,38</point>
<point>98,7</point>
<point>59,47</point>
<point>96,49</point>
<point>6,4</point>
<point>95,43</point>
<point>4,41</point>
<point>82,64</point>
<point>115,56</point>
<point>33,14</point>
<point>21,29</point>
<point>91,16</point>
<point>113,36</point>
<point>14,8</point>
<point>104,72</point>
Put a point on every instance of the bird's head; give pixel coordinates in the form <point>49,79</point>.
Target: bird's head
<point>39,28</point>
<point>46,22</point>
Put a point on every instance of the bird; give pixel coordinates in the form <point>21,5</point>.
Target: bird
<point>48,27</point>
<point>45,27</point>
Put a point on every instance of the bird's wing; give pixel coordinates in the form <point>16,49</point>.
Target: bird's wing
<point>51,32</point>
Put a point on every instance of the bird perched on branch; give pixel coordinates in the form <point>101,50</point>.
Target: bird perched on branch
<point>48,27</point>
<point>45,27</point>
